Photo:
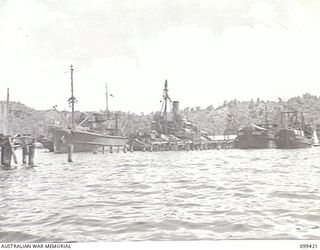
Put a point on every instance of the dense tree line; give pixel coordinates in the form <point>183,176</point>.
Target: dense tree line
<point>231,115</point>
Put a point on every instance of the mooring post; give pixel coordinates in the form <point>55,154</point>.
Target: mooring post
<point>102,149</point>
<point>70,151</point>
<point>31,154</point>
<point>6,155</point>
<point>24,154</point>
<point>1,155</point>
<point>111,149</point>
<point>13,153</point>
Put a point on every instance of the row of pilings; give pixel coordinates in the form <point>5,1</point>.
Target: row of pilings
<point>9,144</point>
<point>103,149</point>
<point>154,147</point>
<point>137,145</point>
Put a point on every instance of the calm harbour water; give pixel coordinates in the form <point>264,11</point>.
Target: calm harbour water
<point>196,195</point>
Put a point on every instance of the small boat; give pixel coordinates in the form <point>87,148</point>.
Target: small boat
<point>315,139</point>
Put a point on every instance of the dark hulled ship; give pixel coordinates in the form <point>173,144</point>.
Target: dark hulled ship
<point>256,137</point>
<point>293,133</point>
<point>173,123</point>
<point>169,129</point>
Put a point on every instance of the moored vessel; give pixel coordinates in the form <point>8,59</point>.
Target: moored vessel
<point>256,136</point>
<point>170,130</point>
<point>83,138</point>
<point>315,139</point>
<point>293,132</point>
<point>82,141</point>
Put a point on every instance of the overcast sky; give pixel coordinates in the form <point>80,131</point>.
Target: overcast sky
<point>209,50</point>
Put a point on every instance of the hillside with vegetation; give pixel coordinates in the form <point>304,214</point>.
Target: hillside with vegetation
<point>228,117</point>
<point>234,114</point>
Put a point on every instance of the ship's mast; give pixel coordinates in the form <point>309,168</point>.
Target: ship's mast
<point>116,123</point>
<point>165,98</point>
<point>7,113</point>
<point>266,115</point>
<point>107,103</point>
<point>72,99</point>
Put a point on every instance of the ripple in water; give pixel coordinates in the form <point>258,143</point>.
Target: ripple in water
<point>202,195</point>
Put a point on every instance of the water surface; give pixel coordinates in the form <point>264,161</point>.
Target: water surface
<point>196,195</point>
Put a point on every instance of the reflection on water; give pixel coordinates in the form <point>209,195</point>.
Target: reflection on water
<point>197,195</point>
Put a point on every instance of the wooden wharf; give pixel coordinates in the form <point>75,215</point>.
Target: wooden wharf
<point>9,144</point>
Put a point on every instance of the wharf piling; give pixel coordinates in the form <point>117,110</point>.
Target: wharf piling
<point>6,155</point>
<point>183,145</point>
<point>70,152</point>
<point>24,154</point>
<point>8,145</point>
<point>32,150</point>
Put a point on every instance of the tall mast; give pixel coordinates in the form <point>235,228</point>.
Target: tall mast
<point>72,98</point>
<point>7,114</point>
<point>165,97</point>
<point>116,123</point>
<point>266,115</point>
<point>107,107</point>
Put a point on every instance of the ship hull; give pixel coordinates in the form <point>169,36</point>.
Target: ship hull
<point>137,145</point>
<point>255,137</point>
<point>82,141</point>
<point>287,139</point>
<point>254,142</point>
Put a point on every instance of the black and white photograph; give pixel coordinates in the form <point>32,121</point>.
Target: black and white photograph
<point>160,121</point>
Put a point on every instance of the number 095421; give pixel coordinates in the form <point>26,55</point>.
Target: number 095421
<point>308,246</point>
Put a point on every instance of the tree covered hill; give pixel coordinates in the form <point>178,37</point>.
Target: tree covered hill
<point>231,115</point>
<point>234,114</point>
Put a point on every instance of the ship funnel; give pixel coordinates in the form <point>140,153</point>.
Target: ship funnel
<point>175,107</point>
